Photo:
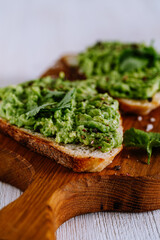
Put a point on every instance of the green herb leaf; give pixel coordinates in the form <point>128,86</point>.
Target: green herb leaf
<point>132,63</point>
<point>138,138</point>
<point>135,59</point>
<point>64,103</point>
<point>54,94</point>
<point>36,110</point>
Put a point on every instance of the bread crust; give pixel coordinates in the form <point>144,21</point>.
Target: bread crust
<point>67,157</point>
<point>141,107</point>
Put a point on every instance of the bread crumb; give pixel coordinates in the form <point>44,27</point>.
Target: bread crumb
<point>152,119</point>
<point>128,156</point>
<point>139,118</point>
<point>149,127</point>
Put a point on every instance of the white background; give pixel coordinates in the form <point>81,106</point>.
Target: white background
<point>34,33</point>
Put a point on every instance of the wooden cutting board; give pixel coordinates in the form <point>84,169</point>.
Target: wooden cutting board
<point>53,194</point>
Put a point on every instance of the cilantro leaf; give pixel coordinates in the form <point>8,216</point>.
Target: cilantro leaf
<point>132,64</point>
<point>138,138</point>
<point>54,94</point>
<point>64,103</point>
<point>133,59</point>
<point>36,110</point>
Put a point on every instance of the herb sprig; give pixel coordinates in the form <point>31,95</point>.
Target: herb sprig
<point>63,104</point>
<point>138,138</point>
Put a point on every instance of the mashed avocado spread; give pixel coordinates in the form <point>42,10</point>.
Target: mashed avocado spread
<point>124,70</point>
<point>71,112</point>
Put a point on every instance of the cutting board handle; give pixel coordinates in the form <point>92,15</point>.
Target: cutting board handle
<point>24,218</point>
<point>44,205</point>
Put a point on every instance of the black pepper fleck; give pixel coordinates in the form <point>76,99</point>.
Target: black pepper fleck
<point>144,78</point>
<point>117,167</point>
<point>95,130</point>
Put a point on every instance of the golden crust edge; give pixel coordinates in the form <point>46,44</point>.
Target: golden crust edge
<point>141,107</point>
<point>57,152</point>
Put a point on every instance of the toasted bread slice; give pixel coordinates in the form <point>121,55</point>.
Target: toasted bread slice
<point>78,157</point>
<point>141,107</point>
<point>69,64</point>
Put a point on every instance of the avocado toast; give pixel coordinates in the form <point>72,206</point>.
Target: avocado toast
<point>69,122</point>
<point>129,72</point>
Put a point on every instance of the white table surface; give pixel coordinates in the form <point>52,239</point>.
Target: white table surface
<point>33,33</point>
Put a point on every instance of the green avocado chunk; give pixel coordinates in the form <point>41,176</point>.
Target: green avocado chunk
<point>124,70</point>
<point>70,112</point>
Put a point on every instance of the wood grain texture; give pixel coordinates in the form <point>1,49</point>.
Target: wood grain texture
<point>15,170</point>
<point>33,33</point>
